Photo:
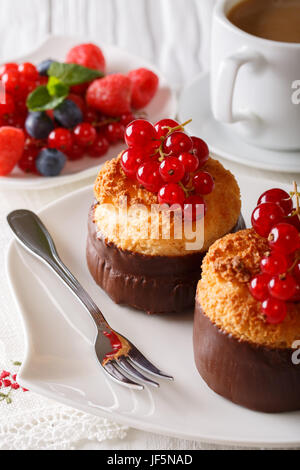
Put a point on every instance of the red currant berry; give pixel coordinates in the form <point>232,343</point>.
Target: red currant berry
<point>275,310</point>
<point>259,286</point>
<point>140,133</point>
<point>114,132</point>
<point>282,287</point>
<point>60,139</point>
<point>194,208</point>
<point>99,147</point>
<point>76,152</point>
<point>28,71</point>
<point>265,216</point>
<point>274,263</point>
<point>8,67</point>
<point>15,120</point>
<point>131,160</point>
<point>201,150</point>
<point>148,175</point>
<point>8,105</point>
<point>164,126</point>
<point>284,238</point>
<point>171,194</point>
<point>203,183</point>
<point>278,196</point>
<point>296,271</point>
<point>126,118</point>
<point>171,170</point>
<point>177,143</point>
<point>27,161</point>
<point>190,162</point>
<point>91,116</point>
<point>295,221</point>
<point>296,296</point>
<point>11,81</point>
<point>186,179</point>
<point>85,134</point>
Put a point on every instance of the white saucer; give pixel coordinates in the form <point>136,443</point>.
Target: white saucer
<point>163,105</point>
<point>59,360</point>
<point>195,103</point>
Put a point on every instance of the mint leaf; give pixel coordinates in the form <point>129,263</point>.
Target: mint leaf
<point>57,88</point>
<point>41,100</point>
<point>72,74</point>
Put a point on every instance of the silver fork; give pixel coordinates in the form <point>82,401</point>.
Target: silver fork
<point>120,359</point>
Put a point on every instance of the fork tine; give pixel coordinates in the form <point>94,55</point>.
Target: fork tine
<point>120,378</point>
<point>124,364</point>
<point>139,360</point>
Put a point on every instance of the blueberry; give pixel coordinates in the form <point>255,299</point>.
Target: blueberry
<point>44,66</point>
<point>39,125</point>
<point>50,162</point>
<point>68,114</point>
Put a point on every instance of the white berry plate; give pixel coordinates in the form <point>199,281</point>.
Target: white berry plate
<point>60,363</point>
<point>195,103</point>
<point>163,105</point>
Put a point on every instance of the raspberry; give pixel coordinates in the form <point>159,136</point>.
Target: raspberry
<point>7,105</point>
<point>144,87</point>
<point>87,55</point>
<point>12,142</point>
<point>110,95</point>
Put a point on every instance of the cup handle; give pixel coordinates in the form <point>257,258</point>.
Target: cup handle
<point>225,86</point>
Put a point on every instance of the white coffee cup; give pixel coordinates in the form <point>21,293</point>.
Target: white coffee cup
<point>253,82</point>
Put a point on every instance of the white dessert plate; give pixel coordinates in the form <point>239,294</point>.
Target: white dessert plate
<point>163,105</point>
<point>195,103</point>
<point>60,363</point>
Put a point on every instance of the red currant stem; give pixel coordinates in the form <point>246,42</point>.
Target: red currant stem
<point>186,190</point>
<point>107,121</point>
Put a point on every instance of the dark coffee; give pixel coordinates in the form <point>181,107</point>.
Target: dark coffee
<point>278,20</point>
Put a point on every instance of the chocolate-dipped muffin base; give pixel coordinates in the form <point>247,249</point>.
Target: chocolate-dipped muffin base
<point>155,284</point>
<point>253,376</point>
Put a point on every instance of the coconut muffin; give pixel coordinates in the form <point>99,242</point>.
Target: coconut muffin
<point>237,353</point>
<point>140,266</point>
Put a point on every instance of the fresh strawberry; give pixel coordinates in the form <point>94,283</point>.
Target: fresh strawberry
<point>12,142</point>
<point>88,55</point>
<point>144,86</point>
<point>110,95</point>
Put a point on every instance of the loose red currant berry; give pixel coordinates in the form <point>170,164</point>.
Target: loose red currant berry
<point>259,286</point>
<point>265,216</point>
<point>296,296</point>
<point>91,116</point>
<point>296,271</point>
<point>274,263</point>
<point>28,71</point>
<point>99,147</point>
<point>194,208</point>
<point>278,196</point>
<point>177,143</point>
<point>284,238</point>
<point>201,150</point>
<point>190,162</point>
<point>11,81</point>
<point>76,152</point>
<point>164,126</point>
<point>171,194</point>
<point>203,183</point>
<point>8,67</point>
<point>275,310</point>
<point>60,139</point>
<point>27,161</point>
<point>114,132</point>
<point>8,105</point>
<point>131,160</point>
<point>140,133</point>
<point>171,170</point>
<point>85,134</point>
<point>295,221</point>
<point>126,118</point>
<point>148,175</point>
<point>282,287</point>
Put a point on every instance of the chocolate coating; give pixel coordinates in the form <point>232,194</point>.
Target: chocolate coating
<point>155,284</point>
<point>256,377</point>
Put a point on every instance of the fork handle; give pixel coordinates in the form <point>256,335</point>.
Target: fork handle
<point>33,235</point>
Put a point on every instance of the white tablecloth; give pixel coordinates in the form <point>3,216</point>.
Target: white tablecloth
<point>170,37</point>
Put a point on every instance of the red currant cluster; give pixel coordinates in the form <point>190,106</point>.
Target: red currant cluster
<point>18,82</point>
<point>279,281</point>
<point>165,160</point>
